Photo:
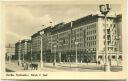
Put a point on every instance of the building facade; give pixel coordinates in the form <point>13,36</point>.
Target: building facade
<point>23,50</point>
<point>26,49</point>
<point>36,46</point>
<point>89,32</point>
<point>18,50</point>
<point>82,40</point>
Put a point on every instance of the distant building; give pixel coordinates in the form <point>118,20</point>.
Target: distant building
<point>26,49</point>
<point>10,52</point>
<point>18,50</point>
<point>23,50</point>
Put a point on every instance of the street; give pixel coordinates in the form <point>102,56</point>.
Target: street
<point>62,67</point>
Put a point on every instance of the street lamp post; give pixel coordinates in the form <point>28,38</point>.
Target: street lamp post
<point>60,57</point>
<point>9,57</point>
<point>87,56</point>
<point>19,54</point>
<point>76,43</point>
<point>55,55</point>
<point>41,54</point>
<point>25,51</point>
<point>71,42</point>
<point>31,54</point>
<point>23,57</point>
<point>117,38</point>
<point>104,9</point>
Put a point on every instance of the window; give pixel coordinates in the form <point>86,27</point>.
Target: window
<point>109,42</point>
<point>93,31</point>
<point>89,38</point>
<point>108,37</point>
<point>95,37</point>
<point>115,49</point>
<point>108,31</point>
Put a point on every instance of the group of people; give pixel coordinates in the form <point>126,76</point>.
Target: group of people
<point>29,65</point>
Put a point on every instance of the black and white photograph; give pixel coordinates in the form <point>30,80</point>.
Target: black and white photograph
<point>60,36</point>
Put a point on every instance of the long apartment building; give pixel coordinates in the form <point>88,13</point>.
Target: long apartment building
<point>89,32</point>
<point>23,50</point>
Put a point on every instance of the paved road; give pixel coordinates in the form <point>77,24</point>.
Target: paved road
<point>48,67</point>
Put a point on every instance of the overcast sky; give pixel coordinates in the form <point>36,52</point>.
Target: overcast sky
<point>22,21</point>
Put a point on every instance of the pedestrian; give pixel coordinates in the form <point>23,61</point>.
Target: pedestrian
<point>53,63</point>
<point>26,65</point>
<point>22,64</point>
<point>36,66</point>
<point>18,63</point>
<point>31,66</point>
<point>101,62</point>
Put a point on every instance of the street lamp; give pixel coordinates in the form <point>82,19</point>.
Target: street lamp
<point>19,54</point>
<point>71,42</point>
<point>59,54</point>
<point>117,38</point>
<point>41,54</point>
<point>9,56</point>
<point>31,52</point>
<point>76,43</point>
<point>60,57</point>
<point>54,55</point>
<point>104,9</point>
<point>25,51</point>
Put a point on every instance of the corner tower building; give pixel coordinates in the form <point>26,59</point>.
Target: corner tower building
<point>89,32</point>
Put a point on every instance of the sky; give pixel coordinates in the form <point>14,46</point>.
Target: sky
<point>21,21</point>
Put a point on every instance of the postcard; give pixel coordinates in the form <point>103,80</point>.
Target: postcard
<point>67,40</point>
